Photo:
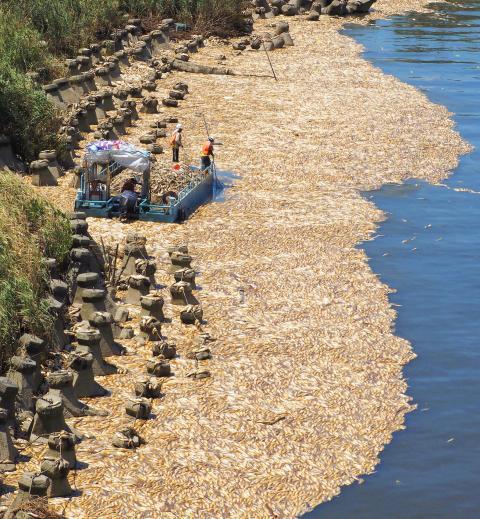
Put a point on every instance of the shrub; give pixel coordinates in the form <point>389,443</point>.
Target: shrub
<point>30,229</point>
<point>66,24</point>
<point>27,115</point>
<point>21,46</point>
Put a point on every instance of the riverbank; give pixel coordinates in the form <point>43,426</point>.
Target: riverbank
<point>310,340</point>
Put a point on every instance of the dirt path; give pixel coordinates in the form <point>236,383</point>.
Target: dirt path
<point>303,325</point>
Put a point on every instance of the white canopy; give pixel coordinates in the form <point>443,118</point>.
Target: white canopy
<point>128,156</point>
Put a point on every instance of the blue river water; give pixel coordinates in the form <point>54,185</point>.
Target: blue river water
<point>428,250</point>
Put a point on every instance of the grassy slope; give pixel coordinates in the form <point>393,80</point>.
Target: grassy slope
<point>30,230</point>
<point>41,33</point>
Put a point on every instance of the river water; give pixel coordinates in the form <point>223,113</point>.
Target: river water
<point>428,250</point>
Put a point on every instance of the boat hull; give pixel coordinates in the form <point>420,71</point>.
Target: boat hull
<point>189,200</point>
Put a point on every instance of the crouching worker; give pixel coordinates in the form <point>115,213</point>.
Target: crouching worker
<point>207,152</point>
<point>129,197</point>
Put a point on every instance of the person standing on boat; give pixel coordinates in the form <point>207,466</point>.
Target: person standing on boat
<point>176,142</point>
<point>207,152</point>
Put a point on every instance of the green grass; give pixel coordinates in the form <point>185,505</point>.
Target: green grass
<point>30,230</point>
<point>27,115</point>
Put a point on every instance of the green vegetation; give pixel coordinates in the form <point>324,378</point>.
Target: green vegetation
<point>30,230</point>
<point>27,116</point>
<point>39,34</point>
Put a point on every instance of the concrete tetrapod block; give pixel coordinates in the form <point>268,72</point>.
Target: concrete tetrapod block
<point>141,52</point>
<point>102,77</point>
<point>121,315</point>
<point>61,445</point>
<point>164,349</point>
<point>21,373</point>
<point>103,321</point>
<point>160,42</point>
<point>99,110</point>
<point>148,388</point>
<point>78,226</point>
<point>80,241</point>
<point>171,103</point>
<point>41,175</point>
<point>127,438</point>
<point>8,453</point>
<point>150,105</point>
<point>68,158</point>
<point>119,125</point>
<point>179,261</point>
<point>61,385</point>
<point>147,268</point>
<point>54,167</point>
<point>30,486</point>
<point>53,95</point>
<point>138,286</point>
<point>93,300</point>
<point>151,328</point>
<point>89,342</point>
<point>132,106</point>
<point>52,266</point>
<point>123,60</point>
<point>8,395</point>
<point>57,471</point>
<point>89,84</point>
<point>48,419</point>
<point>133,251</point>
<point>181,293</point>
<point>84,383</point>
<point>192,314</point>
<point>96,53</point>
<point>139,408</point>
<point>34,347</point>
<point>140,240</point>
<point>68,95</point>
<point>158,367</point>
<point>91,116</point>
<point>85,281</point>
<point>187,275</point>
<point>152,306</point>
<point>126,113</point>
<point>136,91</point>
<point>82,118</point>
<point>59,290</point>
<point>182,249</point>
<point>57,310</point>
<point>201,353</point>
<point>107,101</point>
<point>155,149</point>
<point>287,39</point>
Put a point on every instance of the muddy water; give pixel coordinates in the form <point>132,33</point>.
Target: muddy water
<point>428,250</point>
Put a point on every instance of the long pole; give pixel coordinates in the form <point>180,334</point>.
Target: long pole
<point>269,60</point>
<point>213,159</point>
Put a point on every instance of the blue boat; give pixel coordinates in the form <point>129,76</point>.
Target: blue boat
<point>105,159</point>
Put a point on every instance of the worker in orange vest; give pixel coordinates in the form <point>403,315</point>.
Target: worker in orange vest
<point>207,152</point>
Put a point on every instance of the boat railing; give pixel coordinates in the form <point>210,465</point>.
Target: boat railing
<point>182,194</point>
